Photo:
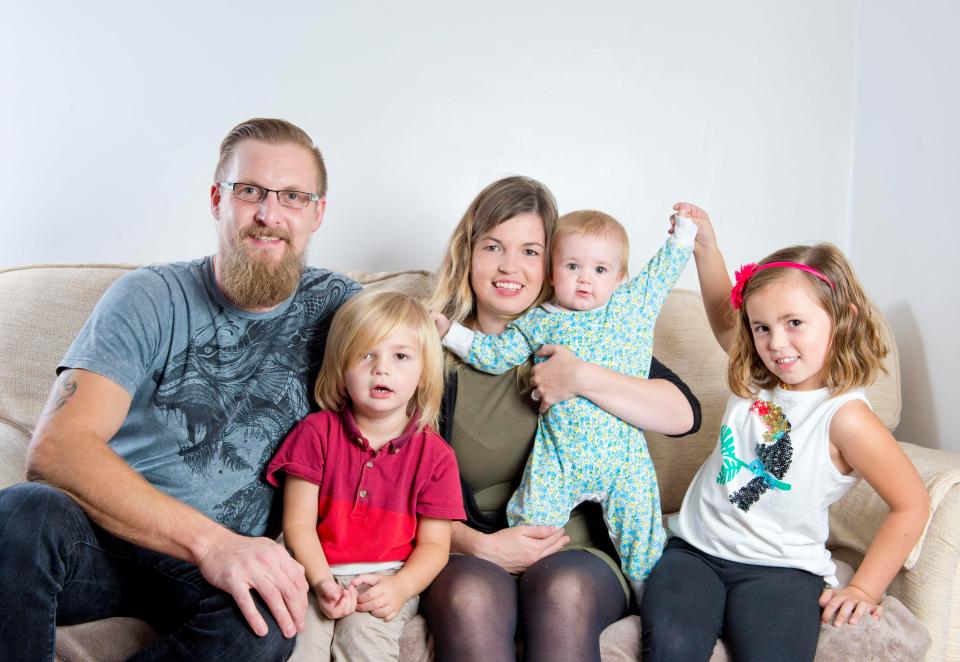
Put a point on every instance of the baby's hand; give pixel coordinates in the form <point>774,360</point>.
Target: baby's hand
<point>443,324</point>
<point>847,605</point>
<point>334,600</point>
<point>706,239</point>
<point>383,596</point>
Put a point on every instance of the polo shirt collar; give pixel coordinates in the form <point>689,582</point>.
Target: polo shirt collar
<point>355,435</point>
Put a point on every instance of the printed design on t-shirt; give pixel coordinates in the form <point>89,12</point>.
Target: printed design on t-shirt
<point>238,387</point>
<point>774,456</point>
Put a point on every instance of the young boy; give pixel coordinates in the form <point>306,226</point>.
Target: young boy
<point>581,452</point>
<point>369,487</point>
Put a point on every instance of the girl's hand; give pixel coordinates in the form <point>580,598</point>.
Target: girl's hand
<point>556,379</point>
<point>847,605</point>
<point>706,238</point>
<point>443,324</point>
<point>517,548</point>
<point>334,600</point>
<point>383,595</point>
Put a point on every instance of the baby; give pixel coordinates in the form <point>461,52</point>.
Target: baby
<point>581,452</point>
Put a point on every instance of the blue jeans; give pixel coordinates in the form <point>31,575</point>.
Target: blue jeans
<point>59,568</point>
<point>763,613</point>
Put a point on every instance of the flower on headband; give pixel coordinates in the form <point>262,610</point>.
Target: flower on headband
<point>742,276</point>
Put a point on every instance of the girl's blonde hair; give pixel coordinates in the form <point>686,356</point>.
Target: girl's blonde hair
<point>856,351</point>
<point>592,223</point>
<point>362,322</point>
<point>497,203</point>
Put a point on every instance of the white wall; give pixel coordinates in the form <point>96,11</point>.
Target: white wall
<point>905,210</point>
<point>113,114</point>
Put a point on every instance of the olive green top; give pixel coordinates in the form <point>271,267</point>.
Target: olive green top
<point>493,429</point>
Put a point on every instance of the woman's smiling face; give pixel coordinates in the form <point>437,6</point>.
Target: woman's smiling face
<point>507,270</point>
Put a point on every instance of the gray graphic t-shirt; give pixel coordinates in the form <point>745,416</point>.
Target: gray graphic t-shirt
<point>215,389</point>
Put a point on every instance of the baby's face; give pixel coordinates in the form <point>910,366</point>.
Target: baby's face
<point>586,270</point>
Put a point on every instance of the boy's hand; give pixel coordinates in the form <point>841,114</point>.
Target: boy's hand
<point>334,600</point>
<point>706,239</point>
<point>383,597</point>
<point>443,324</point>
<point>847,605</point>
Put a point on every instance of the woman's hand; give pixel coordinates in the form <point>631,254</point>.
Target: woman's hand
<point>556,379</point>
<point>517,548</point>
<point>847,605</point>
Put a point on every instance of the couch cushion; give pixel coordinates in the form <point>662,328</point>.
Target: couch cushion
<point>41,311</point>
<point>109,640</point>
<point>13,454</point>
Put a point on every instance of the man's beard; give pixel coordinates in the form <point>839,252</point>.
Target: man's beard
<point>250,283</point>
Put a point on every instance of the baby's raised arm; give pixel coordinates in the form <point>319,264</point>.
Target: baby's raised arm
<point>712,272</point>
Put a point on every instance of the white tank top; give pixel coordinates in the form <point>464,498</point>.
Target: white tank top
<point>762,495</point>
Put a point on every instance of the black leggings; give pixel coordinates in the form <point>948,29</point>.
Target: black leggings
<point>762,613</point>
<point>564,600</point>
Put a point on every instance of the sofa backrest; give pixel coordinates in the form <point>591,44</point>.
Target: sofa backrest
<point>43,307</point>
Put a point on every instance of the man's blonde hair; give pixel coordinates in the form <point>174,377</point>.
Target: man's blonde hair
<point>856,352</point>
<point>274,131</point>
<point>362,322</point>
<point>591,223</point>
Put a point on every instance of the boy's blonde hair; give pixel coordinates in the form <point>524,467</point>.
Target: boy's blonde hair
<point>592,223</point>
<point>497,203</point>
<point>856,351</point>
<point>362,322</point>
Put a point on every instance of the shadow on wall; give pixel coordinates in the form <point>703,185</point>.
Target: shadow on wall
<point>918,420</point>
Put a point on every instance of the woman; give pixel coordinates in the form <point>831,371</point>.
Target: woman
<point>493,272</point>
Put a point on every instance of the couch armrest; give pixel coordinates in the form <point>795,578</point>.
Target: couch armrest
<point>928,585</point>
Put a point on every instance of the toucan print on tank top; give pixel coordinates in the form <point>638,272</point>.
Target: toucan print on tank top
<point>774,455</point>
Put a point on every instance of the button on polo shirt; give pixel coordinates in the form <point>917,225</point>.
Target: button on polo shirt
<point>369,499</point>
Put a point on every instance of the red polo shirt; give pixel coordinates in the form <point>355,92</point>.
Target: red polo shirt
<point>370,499</point>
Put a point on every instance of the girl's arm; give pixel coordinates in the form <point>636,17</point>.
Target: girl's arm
<point>653,404</point>
<point>712,273</point>
<point>866,445</point>
<point>300,535</point>
<point>388,593</point>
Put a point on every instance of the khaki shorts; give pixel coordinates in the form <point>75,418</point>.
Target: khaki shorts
<point>359,636</point>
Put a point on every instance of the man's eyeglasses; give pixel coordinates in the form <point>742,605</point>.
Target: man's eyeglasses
<point>254,193</point>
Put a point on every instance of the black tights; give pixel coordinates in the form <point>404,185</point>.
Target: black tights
<point>564,600</point>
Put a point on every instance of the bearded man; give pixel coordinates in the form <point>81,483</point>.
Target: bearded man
<point>146,496</point>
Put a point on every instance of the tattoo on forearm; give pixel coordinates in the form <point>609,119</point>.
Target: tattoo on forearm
<point>64,393</point>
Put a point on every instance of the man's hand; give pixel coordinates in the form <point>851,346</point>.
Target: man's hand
<point>238,564</point>
<point>517,548</point>
<point>335,601</point>
<point>847,605</point>
<point>383,596</point>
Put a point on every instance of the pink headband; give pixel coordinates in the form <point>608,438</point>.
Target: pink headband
<point>747,271</point>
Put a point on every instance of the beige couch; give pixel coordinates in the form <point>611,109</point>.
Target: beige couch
<point>43,307</point>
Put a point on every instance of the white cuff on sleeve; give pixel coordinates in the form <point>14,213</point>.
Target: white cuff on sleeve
<point>685,231</point>
<point>458,339</point>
